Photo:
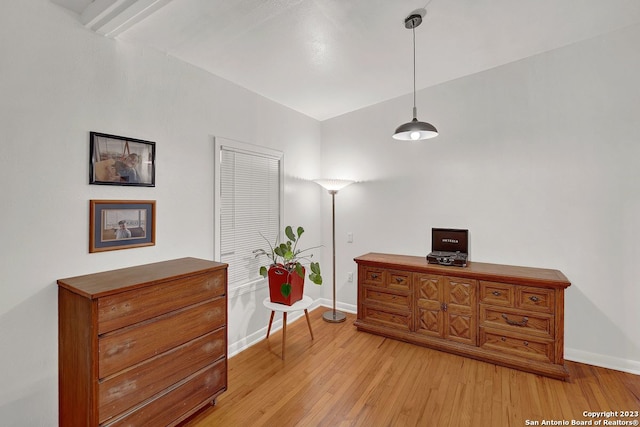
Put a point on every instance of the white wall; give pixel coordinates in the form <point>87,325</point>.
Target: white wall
<point>58,82</point>
<point>539,159</point>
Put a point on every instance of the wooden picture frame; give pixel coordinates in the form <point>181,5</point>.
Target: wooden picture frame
<point>118,160</point>
<point>121,224</point>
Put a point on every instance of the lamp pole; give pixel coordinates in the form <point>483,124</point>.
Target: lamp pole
<point>334,316</point>
<point>333,186</point>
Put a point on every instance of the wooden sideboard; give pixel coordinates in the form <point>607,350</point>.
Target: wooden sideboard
<point>145,345</point>
<point>507,315</point>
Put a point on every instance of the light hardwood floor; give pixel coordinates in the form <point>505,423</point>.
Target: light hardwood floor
<point>349,378</point>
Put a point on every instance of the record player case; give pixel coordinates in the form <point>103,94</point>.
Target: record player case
<point>449,246</point>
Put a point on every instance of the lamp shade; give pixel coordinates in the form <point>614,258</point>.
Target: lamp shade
<point>333,184</point>
<point>415,131</point>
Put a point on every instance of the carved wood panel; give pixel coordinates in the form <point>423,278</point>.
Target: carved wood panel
<point>461,309</point>
<point>429,305</point>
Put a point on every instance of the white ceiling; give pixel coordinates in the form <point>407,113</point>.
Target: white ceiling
<point>325,58</point>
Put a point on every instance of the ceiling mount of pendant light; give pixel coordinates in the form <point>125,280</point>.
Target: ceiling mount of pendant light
<point>414,130</point>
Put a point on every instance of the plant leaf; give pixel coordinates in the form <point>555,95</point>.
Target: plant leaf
<point>315,267</point>
<point>315,278</point>
<point>299,270</point>
<point>300,231</point>
<point>263,271</point>
<point>281,250</point>
<point>285,289</point>
<point>289,232</point>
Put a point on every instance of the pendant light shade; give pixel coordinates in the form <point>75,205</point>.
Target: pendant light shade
<point>414,130</point>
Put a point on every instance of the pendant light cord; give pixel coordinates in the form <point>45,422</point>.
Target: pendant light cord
<point>413,30</point>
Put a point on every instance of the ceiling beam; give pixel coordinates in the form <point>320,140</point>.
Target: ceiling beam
<point>112,17</point>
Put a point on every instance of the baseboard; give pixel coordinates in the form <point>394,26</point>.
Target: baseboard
<point>348,308</point>
<point>602,360</point>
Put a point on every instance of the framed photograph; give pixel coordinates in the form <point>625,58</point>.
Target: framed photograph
<point>118,160</point>
<point>121,224</point>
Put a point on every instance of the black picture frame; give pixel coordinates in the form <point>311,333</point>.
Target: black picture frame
<point>119,160</point>
<point>121,224</point>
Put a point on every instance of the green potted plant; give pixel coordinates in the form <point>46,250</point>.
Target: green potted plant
<point>285,269</point>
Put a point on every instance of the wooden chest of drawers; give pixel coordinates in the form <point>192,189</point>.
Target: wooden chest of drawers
<point>142,346</point>
<point>512,316</point>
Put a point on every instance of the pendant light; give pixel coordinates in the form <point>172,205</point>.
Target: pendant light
<point>414,130</point>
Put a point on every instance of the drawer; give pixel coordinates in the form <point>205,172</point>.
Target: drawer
<point>532,348</point>
<point>538,299</point>
<point>398,320</point>
<point>191,394</point>
<point>373,295</point>
<point>129,346</point>
<point>497,293</point>
<point>126,308</point>
<point>517,320</point>
<point>373,276</point>
<point>123,391</point>
<point>398,280</point>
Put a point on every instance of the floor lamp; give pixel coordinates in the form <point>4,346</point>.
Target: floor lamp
<point>333,185</point>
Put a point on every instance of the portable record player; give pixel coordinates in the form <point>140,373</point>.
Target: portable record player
<point>449,246</point>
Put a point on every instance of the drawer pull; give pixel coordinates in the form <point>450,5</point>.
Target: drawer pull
<point>513,322</point>
<point>399,279</point>
<point>534,298</point>
<point>374,276</point>
<point>496,293</point>
<point>444,306</point>
<point>503,339</point>
<point>526,343</point>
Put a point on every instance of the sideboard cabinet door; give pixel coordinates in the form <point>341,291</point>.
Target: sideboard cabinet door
<point>446,307</point>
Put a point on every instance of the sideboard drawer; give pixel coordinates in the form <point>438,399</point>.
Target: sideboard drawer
<point>398,319</point>
<point>535,299</point>
<point>532,348</point>
<point>497,293</point>
<point>400,280</point>
<point>373,276</point>
<point>126,308</point>
<point>128,346</point>
<point>517,320</point>
<point>400,300</point>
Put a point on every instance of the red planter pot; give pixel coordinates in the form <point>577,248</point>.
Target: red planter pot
<point>278,275</point>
